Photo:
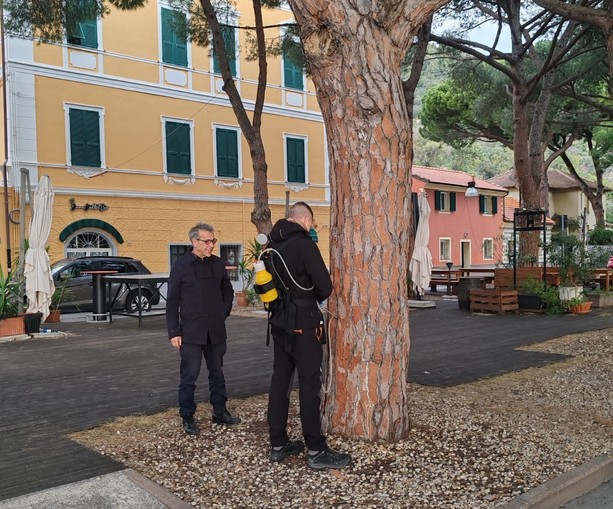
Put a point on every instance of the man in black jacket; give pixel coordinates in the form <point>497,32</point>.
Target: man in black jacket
<point>297,330</point>
<point>199,300</point>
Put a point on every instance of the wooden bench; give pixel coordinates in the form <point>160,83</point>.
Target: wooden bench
<point>444,277</point>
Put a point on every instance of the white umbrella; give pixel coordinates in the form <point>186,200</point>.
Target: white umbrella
<point>37,269</point>
<point>421,261</point>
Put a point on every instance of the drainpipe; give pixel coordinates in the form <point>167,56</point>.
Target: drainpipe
<point>6,144</point>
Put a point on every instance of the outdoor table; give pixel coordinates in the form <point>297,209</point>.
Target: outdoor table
<point>131,282</point>
<point>99,314</point>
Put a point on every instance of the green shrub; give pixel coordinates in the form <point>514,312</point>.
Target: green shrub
<point>601,237</point>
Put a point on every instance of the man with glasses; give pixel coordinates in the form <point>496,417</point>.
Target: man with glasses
<point>198,302</point>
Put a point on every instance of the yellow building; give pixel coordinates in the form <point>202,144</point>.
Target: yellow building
<point>129,121</point>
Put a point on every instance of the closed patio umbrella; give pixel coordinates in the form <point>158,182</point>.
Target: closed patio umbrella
<point>37,269</point>
<point>420,265</point>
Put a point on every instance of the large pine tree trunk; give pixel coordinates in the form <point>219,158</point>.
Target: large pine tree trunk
<point>354,58</point>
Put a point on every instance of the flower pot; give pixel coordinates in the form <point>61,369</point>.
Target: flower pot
<point>12,326</point>
<point>570,292</point>
<point>31,322</point>
<point>580,309</point>
<point>54,316</point>
<point>241,299</point>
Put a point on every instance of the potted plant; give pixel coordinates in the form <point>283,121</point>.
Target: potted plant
<point>61,292</point>
<point>529,293</point>
<point>11,294</point>
<point>579,305</point>
<point>568,254</point>
<point>599,298</point>
<point>246,274</point>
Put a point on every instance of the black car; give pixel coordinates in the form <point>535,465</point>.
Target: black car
<point>78,293</point>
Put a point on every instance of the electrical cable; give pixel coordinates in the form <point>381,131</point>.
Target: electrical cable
<point>286,268</point>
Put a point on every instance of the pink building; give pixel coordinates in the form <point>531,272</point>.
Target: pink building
<point>465,230</point>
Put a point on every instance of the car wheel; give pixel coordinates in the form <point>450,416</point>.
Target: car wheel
<point>132,302</point>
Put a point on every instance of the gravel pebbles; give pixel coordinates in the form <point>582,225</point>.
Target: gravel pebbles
<point>470,446</point>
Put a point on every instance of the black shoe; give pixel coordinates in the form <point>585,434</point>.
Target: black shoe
<point>190,426</point>
<point>226,418</point>
<point>329,459</point>
<point>292,447</point>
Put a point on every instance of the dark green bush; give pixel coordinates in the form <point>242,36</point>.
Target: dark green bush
<point>601,237</point>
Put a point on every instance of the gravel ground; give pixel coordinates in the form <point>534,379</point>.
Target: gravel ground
<point>470,446</point>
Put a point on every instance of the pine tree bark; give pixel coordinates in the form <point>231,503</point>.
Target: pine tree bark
<point>354,51</point>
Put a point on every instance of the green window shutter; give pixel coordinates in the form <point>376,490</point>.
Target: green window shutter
<point>227,152</point>
<point>452,202</point>
<point>90,34</point>
<point>437,200</point>
<point>84,137</point>
<point>178,149</point>
<point>295,160</point>
<point>481,204</point>
<point>292,72</point>
<point>494,205</point>
<point>229,41</point>
<point>174,46</point>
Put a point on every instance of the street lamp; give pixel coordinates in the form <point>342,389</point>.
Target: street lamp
<point>471,190</point>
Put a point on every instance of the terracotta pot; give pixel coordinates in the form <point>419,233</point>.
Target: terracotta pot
<point>581,309</point>
<point>54,316</point>
<point>12,326</point>
<point>241,299</point>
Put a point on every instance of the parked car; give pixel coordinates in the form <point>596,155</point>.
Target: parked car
<point>78,295</point>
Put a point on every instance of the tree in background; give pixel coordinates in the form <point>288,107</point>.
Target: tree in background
<point>596,14</point>
<point>530,75</point>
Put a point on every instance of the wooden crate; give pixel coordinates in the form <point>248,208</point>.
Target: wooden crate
<point>493,301</point>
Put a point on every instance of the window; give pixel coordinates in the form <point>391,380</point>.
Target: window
<point>444,201</point>
<point>174,41</point>
<point>84,137</point>
<point>293,76</point>
<point>226,152</point>
<point>510,251</point>
<point>488,204</point>
<point>229,38</point>
<point>295,158</point>
<point>178,250</point>
<point>178,147</point>
<point>444,250</point>
<point>88,244</point>
<point>83,33</point>
<point>230,255</point>
<point>488,249</point>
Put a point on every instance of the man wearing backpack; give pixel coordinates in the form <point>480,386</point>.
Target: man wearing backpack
<point>297,329</point>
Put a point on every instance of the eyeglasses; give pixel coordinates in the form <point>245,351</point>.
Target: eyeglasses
<point>208,242</point>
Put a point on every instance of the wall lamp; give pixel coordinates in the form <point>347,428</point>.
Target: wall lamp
<point>471,190</point>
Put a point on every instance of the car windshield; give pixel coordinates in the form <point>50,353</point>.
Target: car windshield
<point>59,265</point>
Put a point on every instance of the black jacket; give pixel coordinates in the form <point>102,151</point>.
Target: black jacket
<point>199,299</point>
<point>306,265</point>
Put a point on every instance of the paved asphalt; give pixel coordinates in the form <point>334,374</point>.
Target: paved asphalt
<point>51,387</point>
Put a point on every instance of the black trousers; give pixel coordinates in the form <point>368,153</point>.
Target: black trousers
<point>191,361</point>
<point>305,356</point>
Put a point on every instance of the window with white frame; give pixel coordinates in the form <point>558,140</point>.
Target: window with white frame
<point>444,249</point>
<point>175,251</point>
<point>488,204</point>
<point>295,159</point>
<point>444,201</point>
<point>488,249</point>
<point>230,255</point>
<point>85,128</point>
<point>227,152</point>
<point>82,33</point>
<point>174,39</point>
<point>178,141</point>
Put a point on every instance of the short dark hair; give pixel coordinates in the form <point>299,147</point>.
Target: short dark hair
<point>298,209</point>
